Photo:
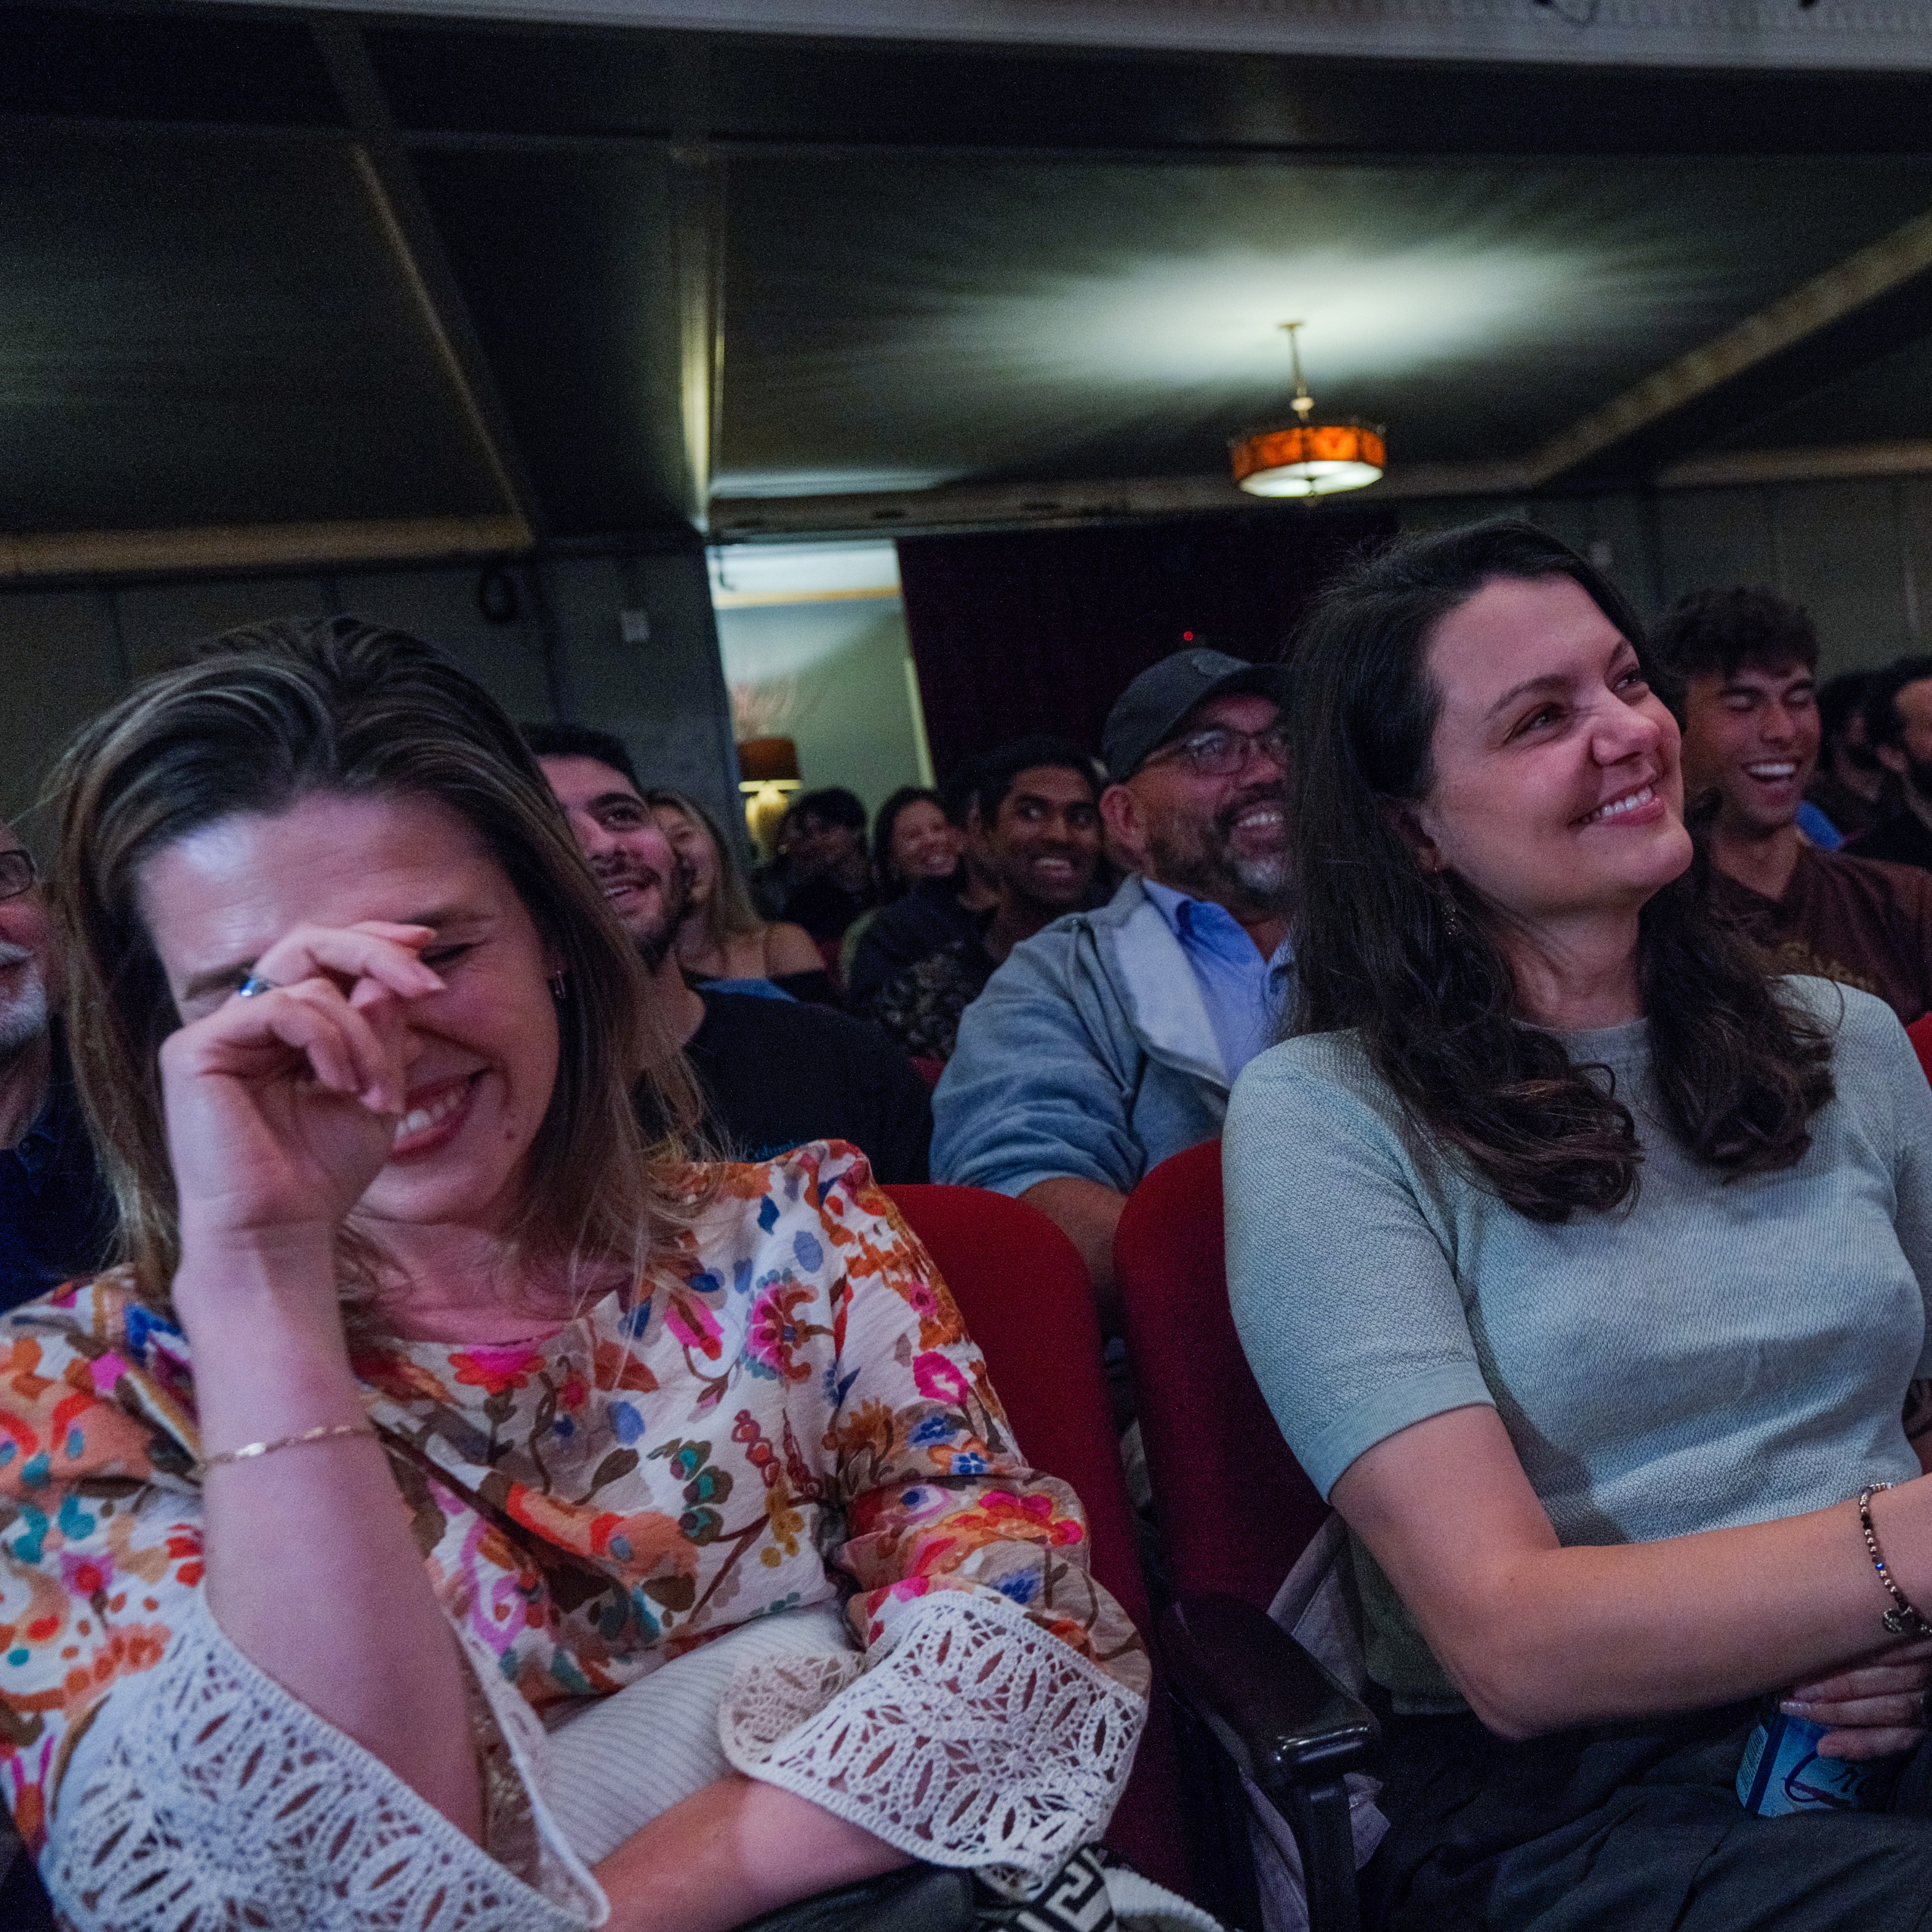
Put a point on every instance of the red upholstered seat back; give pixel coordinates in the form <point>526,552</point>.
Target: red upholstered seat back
<point>1023,1291</point>
<point>1920,1034</point>
<point>1234,1508</point>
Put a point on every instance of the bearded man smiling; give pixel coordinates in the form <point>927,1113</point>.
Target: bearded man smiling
<point>1110,1040</point>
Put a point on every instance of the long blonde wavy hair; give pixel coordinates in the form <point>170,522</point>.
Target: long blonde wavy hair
<point>258,719</point>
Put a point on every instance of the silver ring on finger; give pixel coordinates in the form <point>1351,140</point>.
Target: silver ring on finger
<point>253,985</point>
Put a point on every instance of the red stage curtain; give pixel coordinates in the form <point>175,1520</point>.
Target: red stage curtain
<point>1017,632</point>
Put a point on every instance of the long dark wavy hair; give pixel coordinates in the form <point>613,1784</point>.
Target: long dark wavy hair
<point>1410,962</point>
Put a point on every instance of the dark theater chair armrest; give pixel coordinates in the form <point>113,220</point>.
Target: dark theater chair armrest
<point>1277,1713</point>
<point>1285,1723</point>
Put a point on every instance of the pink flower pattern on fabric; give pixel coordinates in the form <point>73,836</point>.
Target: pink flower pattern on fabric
<point>808,1423</point>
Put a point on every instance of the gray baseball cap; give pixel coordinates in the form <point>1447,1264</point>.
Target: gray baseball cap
<point>1156,705</point>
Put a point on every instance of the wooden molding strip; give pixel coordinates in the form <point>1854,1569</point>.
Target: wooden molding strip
<point>258,547</point>
<point>1847,285</point>
<point>1835,463</point>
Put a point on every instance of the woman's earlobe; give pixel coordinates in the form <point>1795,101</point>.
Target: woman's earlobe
<point>1403,823</point>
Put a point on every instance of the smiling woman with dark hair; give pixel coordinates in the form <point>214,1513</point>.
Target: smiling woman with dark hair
<point>459,1512</point>
<point>1586,1269</point>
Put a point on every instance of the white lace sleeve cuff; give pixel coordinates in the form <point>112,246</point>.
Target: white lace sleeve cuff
<point>972,1738</point>
<point>219,1799</point>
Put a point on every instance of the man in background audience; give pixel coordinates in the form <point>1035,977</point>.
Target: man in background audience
<point>1849,788</point>
<point>1751,735</point>
<point>826,845</point>
<point>1898,724</point>
<point>774,1073</point>
<point>1033,827</point>
<point>1109,1041</point>
<point>55,1215</point>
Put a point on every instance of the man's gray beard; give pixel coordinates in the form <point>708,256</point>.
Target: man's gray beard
<point>1266,881</point>
<point>23,1018</point>
<point>1207,870</point>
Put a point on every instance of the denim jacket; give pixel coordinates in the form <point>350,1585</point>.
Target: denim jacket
<point>1090,1053</point>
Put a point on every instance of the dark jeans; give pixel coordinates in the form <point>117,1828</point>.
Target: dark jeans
<point>1630,1828</point>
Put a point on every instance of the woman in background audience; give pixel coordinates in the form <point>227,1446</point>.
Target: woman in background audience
<point>917,850</point>
<point>721,937</point>
<point>383,1445</point>
<point>913,840</point>
<point>1585,1271</point>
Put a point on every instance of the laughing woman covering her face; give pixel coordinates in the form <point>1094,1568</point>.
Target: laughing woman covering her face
<point>1586,1269</point>
<point>435,1426</point>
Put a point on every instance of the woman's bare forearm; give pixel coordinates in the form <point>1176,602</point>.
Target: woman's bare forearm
<point>312,1572</point>
<point>1538,1637</point>
<point>730,1852</point>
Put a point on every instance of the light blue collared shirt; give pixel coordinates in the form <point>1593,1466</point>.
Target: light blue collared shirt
<point>1243,991</point>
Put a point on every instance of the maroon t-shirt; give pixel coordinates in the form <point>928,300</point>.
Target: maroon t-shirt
<point>1861,921</point>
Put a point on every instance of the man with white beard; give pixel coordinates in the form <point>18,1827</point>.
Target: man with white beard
<point>55,1215</point>
<point>1110,1040</point>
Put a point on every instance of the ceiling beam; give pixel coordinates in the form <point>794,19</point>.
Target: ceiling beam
<point>258,547</point>
<point>1883,34</point>
<point>402,212</point>
<point>697,189</point>
<point>1890,266</point>
<point>1046,506</point>
<point>953,507</point>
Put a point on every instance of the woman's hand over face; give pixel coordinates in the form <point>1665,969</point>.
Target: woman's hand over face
<point>1877,1709</point>
<point>282,1108</point>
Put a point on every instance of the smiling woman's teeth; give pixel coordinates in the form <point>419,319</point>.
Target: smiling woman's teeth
<point>420,1120</point>
<point>1617,806</point>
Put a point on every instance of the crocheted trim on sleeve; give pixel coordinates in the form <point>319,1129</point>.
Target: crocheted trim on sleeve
<point>222,1801</point>
<point>973,1739</point>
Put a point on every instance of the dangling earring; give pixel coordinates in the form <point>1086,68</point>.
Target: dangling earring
<point>1452,916</point>
<point>558,988</point>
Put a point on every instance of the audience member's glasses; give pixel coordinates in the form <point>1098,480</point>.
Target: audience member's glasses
<point>17,872</point>
<point>1220,751</point>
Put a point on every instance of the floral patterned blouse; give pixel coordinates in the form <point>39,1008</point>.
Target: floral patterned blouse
<point>787,1413</point>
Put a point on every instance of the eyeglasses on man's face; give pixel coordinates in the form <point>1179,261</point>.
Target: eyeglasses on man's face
<point>17,871</point>
<point>1220,751</point>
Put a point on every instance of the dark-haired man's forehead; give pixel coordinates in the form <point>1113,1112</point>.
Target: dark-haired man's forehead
<point>1051,783</point>
<point>1752,671</point>
<point>586,784</point>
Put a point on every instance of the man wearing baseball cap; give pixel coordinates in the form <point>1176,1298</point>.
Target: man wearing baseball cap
<point>1109,1041</point>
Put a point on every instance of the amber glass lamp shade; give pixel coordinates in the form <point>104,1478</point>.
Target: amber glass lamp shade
<point>767,769</point>
<point>1308,460</point>
<point>767,761</point>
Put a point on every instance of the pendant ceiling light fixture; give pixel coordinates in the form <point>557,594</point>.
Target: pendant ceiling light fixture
<point>1311,459</point>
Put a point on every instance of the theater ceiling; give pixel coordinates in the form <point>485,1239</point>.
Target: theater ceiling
<point>283,286</point>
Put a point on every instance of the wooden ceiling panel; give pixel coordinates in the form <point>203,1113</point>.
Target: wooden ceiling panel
<point>161,65</point>
<point>889,322</point>
<point>569,265</point>
<point>207,330</point>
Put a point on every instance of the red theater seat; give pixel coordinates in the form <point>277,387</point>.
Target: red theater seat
<point>1024,1293</point>
<point>1234,1508</point>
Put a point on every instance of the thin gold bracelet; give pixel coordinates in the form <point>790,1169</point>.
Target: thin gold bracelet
<point>249,1451</point>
